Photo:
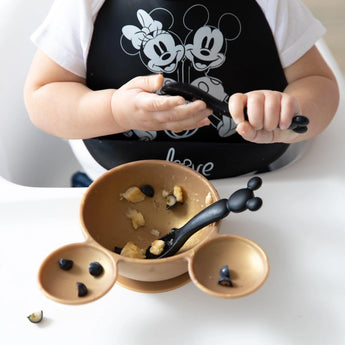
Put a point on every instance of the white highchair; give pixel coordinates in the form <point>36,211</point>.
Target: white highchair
<point>27,155</point>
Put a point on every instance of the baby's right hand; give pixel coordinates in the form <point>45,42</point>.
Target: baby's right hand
<point>136,106</point>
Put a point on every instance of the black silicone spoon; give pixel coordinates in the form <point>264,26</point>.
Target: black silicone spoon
<point>190,92</point>
<point>239,201</point>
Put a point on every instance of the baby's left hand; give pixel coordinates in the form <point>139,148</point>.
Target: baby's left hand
<point>269,115</point>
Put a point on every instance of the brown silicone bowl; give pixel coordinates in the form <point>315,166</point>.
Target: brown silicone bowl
<point>105,226</point>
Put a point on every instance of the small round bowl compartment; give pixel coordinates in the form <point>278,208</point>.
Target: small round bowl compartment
<point>61,285</point>
<point>248,265</point>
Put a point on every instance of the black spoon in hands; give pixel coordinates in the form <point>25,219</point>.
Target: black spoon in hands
<point>189,92</point>
<point>239,201</point>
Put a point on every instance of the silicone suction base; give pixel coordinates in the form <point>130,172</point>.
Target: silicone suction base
<point>153,287</point>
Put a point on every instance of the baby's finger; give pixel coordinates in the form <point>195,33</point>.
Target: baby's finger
<point>149,83</point>
<point>180,126</point>
<point>250,134</point>
<point>237,103</point>
<point>289,108</point>
<point>155,103</point>
<point>190,116</point>
<point>256,109</point>
<point>191,113</point>
<point>272,110</point>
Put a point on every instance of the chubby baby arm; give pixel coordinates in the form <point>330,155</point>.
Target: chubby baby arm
<point>312,91</point>
<point>60,103</point>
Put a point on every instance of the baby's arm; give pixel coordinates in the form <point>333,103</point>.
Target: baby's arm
<point>60,103</point>
<point>312,91</point>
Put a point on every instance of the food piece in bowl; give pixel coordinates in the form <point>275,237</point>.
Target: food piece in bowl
<point>174,197</point>
<point>95,269</point>
<point>133,194</point>
<point>155,232</point>
<point>65,264</point>
<point>170,201</point>
<point>136,218</point>
<point>82,289</point>
<point>117,250</point>
<point>157,247</point>
<point>131,250</point>
<point>224,271</point>
<point>165,193</point>
<point>224,279</point>
<point>178,193</point>
<point>208,199</point>
<point>148,190</point>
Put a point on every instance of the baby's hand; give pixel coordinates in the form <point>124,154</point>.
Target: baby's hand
<point>136,106</point>
<point>269,115</point>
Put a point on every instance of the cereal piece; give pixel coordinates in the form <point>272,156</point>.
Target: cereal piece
<point>133,194</point>
<point>208,199</point>
<point>157,247</point>
<point>178,193</point>
<point>174,197</point>
<point>170,201</point>
<point>136,217</point>
<point>131,250</point>
<point>155,232</point>
<point>165,193</point>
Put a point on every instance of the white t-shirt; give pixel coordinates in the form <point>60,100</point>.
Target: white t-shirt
<point>66,33</point>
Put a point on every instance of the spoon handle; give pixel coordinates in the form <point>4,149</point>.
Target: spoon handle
<point>239,201</point>
<point>210,214</point>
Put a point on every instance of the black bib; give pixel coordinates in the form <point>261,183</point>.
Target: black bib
<point>221,47</point>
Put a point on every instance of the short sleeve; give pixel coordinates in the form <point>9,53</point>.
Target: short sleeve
<point>65,34</point>
<point>294,27</point>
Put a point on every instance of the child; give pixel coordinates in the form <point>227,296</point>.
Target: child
<point>100,65</point>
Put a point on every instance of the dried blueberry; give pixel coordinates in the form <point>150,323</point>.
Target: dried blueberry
<point>148,190</point>
<point>224,271</point>
<point>95,269</point>
<point>224,279</point>
<point>118,250</point>
<point>82,289</point>
<point>65,264</point>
